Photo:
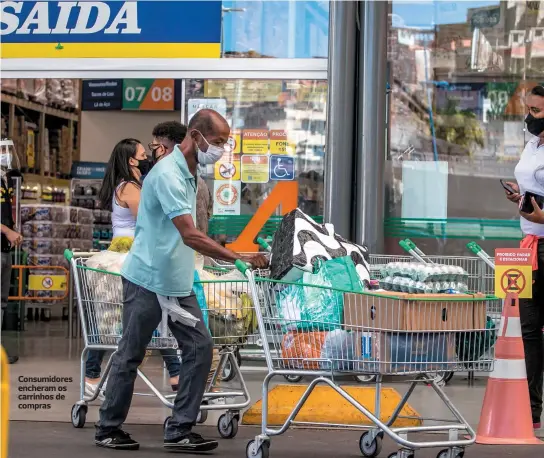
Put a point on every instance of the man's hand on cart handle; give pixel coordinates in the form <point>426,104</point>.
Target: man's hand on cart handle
<point>257,260</point>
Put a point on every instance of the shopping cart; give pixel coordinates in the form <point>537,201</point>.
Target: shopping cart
<point>376,347</point>
<point>99,301</point>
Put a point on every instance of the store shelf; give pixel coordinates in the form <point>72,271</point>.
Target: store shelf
<point>23,103</point>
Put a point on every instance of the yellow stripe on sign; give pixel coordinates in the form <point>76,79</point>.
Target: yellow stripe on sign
<point>109,50</point>
<point>47,282</point>
<point>326,406</point>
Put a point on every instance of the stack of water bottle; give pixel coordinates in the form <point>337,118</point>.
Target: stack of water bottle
<point>420,278</point>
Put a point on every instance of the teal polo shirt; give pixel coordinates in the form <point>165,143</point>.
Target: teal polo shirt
<point>159,261</point>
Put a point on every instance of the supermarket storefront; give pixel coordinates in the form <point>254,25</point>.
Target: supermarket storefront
<point>144,62</point>
<point>422,116</point>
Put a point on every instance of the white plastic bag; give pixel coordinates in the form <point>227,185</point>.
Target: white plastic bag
<point>110,261</point>
<point>172,307</point>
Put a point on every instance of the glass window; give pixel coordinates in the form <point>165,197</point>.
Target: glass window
<point>278,143</point>
<point>458,73</point>
<point>280,29</point>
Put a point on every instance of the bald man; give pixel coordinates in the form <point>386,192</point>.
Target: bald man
<point>160,267</point>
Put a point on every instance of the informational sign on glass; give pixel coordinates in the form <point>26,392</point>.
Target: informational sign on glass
<point>195,105</point>
<point>255,169</point>
<point>255,141</point>
<point>148,95</point>
<point>226,197</point>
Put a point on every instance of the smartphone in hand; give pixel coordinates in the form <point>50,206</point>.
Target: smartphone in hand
<point>526,205</point>
<point>509,189</point>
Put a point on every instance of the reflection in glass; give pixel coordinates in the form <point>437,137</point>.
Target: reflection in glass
<point>278,119</point>
<point>279,29</point>
<point>458,75</point>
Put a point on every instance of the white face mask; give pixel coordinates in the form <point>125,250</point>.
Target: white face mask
<point>6,160</point>
<point>211,155</point>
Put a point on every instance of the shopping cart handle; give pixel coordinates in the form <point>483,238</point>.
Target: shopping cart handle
<point>68,254</point>
<point>405,245</point>
<point>474,247</point>
<point>410,244</point>
<point>263,244</point>
<point>242,266</point>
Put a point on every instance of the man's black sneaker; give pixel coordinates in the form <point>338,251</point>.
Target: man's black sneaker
<point>118,440</point>
<point>190,443</point>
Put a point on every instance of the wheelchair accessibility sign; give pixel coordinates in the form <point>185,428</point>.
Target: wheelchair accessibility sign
<point>282,168</point>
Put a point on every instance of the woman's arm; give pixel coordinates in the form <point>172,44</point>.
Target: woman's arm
<point>129,195</point>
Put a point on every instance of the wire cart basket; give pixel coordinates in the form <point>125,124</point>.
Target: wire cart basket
<point>372,334</point>
<point>229,314</point>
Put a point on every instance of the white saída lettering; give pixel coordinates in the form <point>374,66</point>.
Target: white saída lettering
<point>90,17</point>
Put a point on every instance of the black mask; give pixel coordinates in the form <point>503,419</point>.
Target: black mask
<point>534,125</point>
<point>144,166</point>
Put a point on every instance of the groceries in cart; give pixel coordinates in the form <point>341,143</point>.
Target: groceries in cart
<point>299,242</point>
<point>313,303</point>
<point>419,278</point>
<point>223,297</point>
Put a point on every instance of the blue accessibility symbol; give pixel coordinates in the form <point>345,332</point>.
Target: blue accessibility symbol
<point>282,168</point>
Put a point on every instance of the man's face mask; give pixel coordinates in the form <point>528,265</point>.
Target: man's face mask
<point>212,154</point>
<point>6,160</point>
<point>534,125</point>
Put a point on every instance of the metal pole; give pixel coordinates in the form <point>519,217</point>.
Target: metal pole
<point>371,126</point>
<point>341,113</point>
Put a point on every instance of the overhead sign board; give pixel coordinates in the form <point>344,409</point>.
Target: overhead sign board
<point>110,29</point>
<point>102,95</point>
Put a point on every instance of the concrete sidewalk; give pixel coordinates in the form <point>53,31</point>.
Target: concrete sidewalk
<point>61,440</point>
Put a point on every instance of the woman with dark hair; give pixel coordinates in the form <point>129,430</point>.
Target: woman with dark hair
<point>530,178</point>
<point>120,193</point>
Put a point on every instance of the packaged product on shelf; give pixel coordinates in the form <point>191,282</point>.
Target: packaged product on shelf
<point>9,85</point>
<point>39,94</point>
<point>299,242</point>
<point>54,91</point>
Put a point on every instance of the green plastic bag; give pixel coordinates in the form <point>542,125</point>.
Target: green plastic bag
<point>311,304</point>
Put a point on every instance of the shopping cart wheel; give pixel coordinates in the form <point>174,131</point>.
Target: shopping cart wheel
<point>253,452</point>
<point>79,413</point>
<point>442,378</point>
<point>369,447</point>
<point>228,371</point>
<point>202,417</point>
<point>293,378</point>
<point>365,378</point>
<point>407,454</point>
<point>228,429</point>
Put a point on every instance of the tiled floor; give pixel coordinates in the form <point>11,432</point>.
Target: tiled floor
<point>45,351</point>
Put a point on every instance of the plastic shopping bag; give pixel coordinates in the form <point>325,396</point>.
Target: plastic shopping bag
<point>110,261</point>
<point>311,304</point>
<point>201,298</point>
<point>171,306</point>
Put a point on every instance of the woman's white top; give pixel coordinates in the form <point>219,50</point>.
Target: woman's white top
<point>530,177</point>
<point>122,220</point>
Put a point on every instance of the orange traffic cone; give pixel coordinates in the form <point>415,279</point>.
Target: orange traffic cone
<point>506,413</point>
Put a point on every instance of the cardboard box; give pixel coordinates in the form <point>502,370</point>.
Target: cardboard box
<point>388,311</point>
<point>402,352</point>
